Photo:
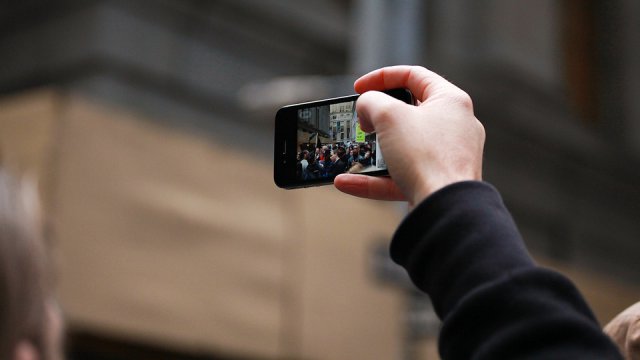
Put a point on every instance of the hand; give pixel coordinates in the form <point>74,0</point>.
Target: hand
<point>624,329</point>
<point>426,147</point>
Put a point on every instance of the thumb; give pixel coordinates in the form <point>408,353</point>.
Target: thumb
<point>377,109</point>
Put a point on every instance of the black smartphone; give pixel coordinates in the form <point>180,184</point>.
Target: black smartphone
<point>316,141</point>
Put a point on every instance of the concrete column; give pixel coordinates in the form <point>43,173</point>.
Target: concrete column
<point>386,32</point>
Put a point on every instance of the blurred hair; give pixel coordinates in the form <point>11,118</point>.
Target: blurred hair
<point>23,276</point>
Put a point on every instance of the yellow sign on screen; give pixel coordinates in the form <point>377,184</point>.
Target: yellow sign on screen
<point>359,134</point>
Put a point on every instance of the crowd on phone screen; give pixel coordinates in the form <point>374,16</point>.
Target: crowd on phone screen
<point>329,160</point>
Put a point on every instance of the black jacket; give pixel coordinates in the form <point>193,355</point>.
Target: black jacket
<point>339,166</point>
<point>462,248</point>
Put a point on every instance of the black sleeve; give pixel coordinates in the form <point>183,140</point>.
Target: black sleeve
<point>462,248</point>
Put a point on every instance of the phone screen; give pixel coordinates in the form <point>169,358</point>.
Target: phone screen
<point>319,140</point>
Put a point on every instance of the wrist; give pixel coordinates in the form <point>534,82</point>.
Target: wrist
<point>434,185</point>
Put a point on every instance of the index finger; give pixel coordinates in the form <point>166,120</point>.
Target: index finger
<point>417,79</point>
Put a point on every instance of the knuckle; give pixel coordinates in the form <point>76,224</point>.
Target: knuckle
<point>386,111</point>
<point>462,98</point>
<point>420,69</point>
<point>481,130</point>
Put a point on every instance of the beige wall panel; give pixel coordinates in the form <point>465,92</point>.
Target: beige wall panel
<point>361,319</point>
<point>158,242</point>
<point>606,295</point>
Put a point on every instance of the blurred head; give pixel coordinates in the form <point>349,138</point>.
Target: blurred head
<point>30,324</point>
<point>341,152</point>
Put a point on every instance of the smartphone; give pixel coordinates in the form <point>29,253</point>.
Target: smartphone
<point>318,140</point>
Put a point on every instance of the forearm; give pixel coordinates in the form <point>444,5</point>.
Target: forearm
<point>462,247</point>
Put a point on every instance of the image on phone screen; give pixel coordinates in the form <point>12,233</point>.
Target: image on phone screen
<point>330,142</point>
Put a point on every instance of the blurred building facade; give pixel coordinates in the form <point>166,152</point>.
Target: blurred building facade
<point>136,87</point>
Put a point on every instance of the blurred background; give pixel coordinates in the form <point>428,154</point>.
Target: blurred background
<point>148,125</point>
